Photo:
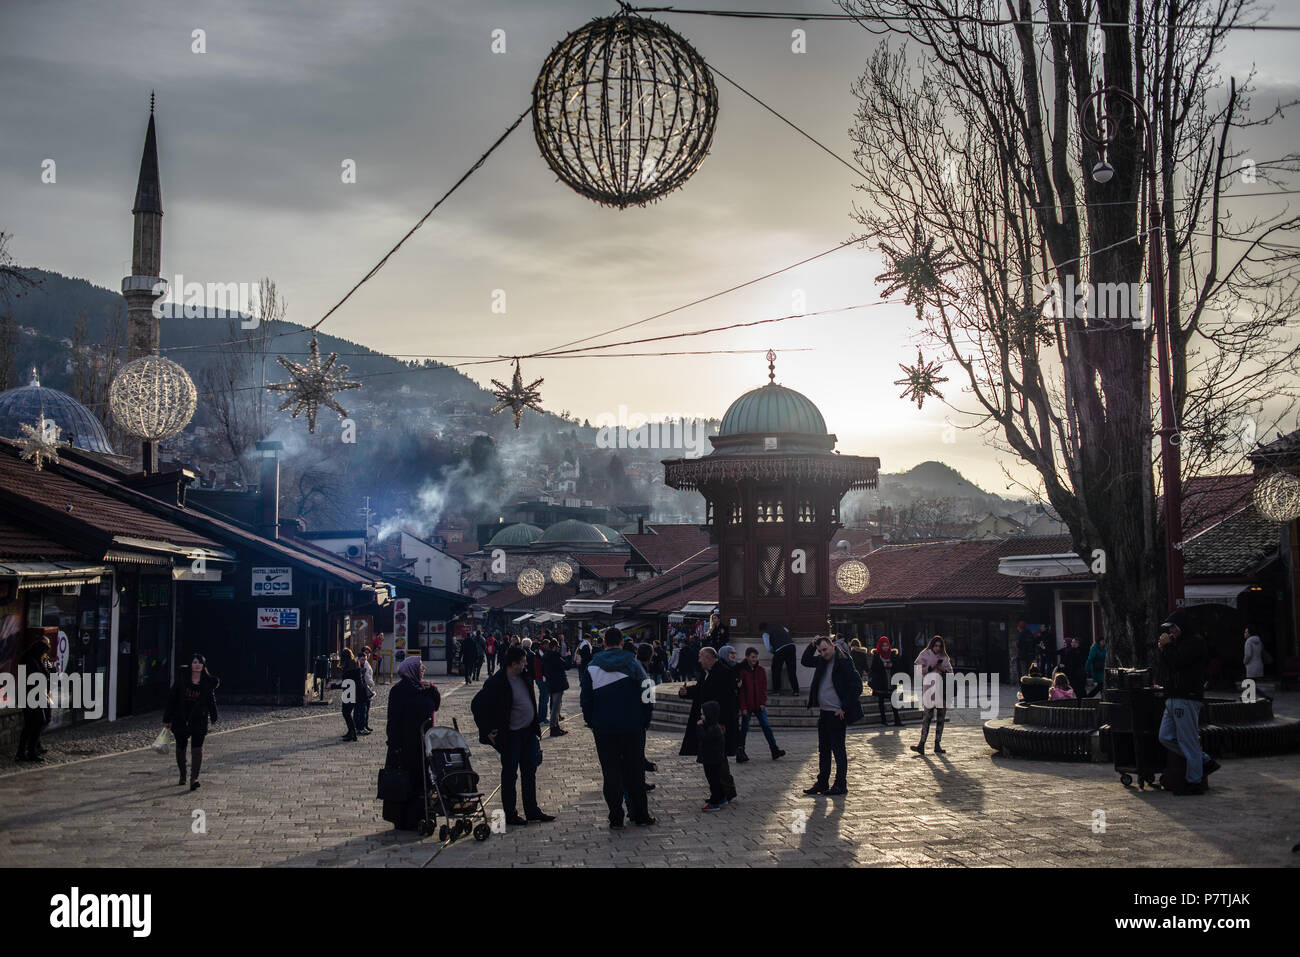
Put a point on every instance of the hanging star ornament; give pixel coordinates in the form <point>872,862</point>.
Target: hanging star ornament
<point>313,385</point>
<point>516,397</point>
<point>921,380</point>
<point>919,270</point>
<point>40,442</point>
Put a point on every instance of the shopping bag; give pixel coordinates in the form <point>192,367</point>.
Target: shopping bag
<point>162,744</point>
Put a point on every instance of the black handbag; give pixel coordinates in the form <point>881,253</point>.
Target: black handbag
<point>394,784</point>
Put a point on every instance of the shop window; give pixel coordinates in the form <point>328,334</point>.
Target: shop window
<point>771,571</point>
<point>808,580</point>
<point>736,571</point>
<point>807,511</point>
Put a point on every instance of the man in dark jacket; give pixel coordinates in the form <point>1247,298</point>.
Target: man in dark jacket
<point>1183,655</point>
<point>554,666</point>
<point>778,641</point>
<point>717,683</point>
<point>505,712</point>
<point>614,688</point>
<point>836,692</point>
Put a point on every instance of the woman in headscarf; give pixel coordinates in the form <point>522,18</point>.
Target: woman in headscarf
<point>411,702</point>
<point>883,664</point>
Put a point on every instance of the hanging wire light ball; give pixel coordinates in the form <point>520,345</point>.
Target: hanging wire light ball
<point>852,577</point>
<point>152,398</point>
<point>624,110</point>
<point>561,573</point>
<point>1277,497</point>
<point>530,582</point>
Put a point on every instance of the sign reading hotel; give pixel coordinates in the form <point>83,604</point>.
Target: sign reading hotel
<point>269,582</point>
<point>277,619</point>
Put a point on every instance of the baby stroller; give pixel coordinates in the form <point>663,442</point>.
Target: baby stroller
<point>450,786</point>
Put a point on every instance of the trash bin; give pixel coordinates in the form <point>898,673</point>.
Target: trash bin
<point>1132,708</point>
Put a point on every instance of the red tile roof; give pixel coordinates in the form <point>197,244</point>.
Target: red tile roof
<point>59,495</point>
<point>551,598</point>
<point>20,543</point>
<point>1209,499</point>
<point>667,546</point>
<point>102,504</point>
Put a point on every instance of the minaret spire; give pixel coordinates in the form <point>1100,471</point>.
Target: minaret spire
<point>145,286</point>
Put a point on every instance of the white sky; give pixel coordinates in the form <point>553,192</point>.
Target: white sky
<point>252,134</point>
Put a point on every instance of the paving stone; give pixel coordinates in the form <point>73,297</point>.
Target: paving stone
<point>280,788</point>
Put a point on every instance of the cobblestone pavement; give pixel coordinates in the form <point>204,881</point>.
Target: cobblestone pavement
<point>279,788</point>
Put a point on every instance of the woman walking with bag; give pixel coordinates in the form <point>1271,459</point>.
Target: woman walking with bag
<point>411,703</point>
<point>192,703</point>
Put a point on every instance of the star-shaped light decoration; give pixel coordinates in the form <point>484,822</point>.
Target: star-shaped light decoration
<point>921,380</point>
<point>516,397</point>
<point>919,270</point>
<point>313,384</point>
<point>41,443</point>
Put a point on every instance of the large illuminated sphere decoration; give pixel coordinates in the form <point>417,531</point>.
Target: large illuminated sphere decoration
<point>530,582</point>
<point>1277,497</point>
<point>624,110</point>
<point>852,577</point>
<point>152,398</point>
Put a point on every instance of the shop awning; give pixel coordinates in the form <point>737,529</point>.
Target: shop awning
<point>589,606</point>
<point>521,619</point>
<point>1214,594</point>
<point>51,574</point>
<point>546,617</point>
<point>632,624</point>
<point>698,609</point>
<point>1042,566</point>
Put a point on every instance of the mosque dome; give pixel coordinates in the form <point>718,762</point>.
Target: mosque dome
<point>24,406</point>
<point>518,535</point>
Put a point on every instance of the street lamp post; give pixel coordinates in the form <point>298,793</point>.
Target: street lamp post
<point>1107,129</point>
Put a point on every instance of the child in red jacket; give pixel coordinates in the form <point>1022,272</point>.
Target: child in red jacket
<point>753,703</point>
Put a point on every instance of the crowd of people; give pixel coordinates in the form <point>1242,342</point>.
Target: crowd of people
<point>527,681</point>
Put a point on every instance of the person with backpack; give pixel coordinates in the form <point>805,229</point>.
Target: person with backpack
<point>836,693</point>
<point>753,704</point>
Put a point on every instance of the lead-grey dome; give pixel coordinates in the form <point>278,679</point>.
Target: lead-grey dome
<point>24,406</point>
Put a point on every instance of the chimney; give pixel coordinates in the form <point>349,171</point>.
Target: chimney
<point>268,522</point>
<point>640,524</point>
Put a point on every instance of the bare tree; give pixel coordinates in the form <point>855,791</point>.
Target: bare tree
<point>13,281</point>
<point>233,383</point>
<point>978,189</point>
<point>8,351</point>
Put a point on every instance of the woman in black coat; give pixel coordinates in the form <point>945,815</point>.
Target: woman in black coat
<point>193,701</point>
<point>411,703</point>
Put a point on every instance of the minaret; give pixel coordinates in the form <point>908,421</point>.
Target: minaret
<point>145,285</point>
